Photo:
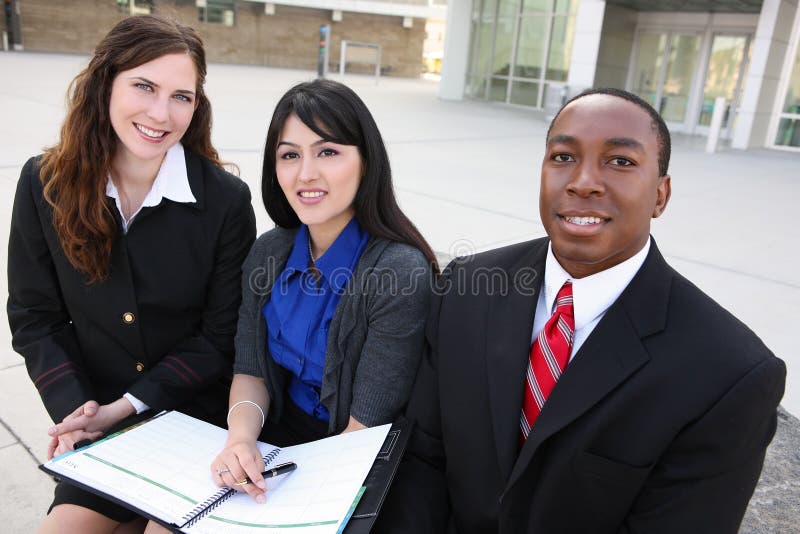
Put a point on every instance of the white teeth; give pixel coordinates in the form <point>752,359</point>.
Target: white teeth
<point>311,194</point>
<point>583,221</point>
<point>150,133</point>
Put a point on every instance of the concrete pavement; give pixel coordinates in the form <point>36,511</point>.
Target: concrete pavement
<point>467,174</point>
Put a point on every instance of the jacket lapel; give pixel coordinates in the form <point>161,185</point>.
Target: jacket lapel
<point>510,324</point>
<point>611,354</point>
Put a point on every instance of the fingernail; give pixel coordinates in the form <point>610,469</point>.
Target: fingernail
<point>261,484</point>
<point>52,431</point>
<point>260,499</point>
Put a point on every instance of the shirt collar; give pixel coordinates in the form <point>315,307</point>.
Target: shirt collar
<point>172,181</point>
<point>593,294</point>
<point>337,264</point>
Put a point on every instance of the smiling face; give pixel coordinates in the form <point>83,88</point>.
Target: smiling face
<point>600,183</point>
<point>319,178</point>
<point>151,107</point>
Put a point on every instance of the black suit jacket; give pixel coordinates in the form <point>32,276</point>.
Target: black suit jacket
<point>659,424</point>
<point>161,326</point>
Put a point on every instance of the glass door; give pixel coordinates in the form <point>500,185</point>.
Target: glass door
<point>727,65</point>
<point>663,70</point>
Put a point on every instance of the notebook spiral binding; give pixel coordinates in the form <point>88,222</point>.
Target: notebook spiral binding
<point>204,508</point>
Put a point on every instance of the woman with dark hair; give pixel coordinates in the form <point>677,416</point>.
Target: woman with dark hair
<point>335,298</point>
<point>127,240</point>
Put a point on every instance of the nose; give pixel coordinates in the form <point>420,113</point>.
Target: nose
<point>586,181</point>
<point>159,109</point>
<point>308,169</point>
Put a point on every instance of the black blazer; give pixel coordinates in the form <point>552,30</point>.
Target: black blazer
<point>161,326</point>
<point>658,425</point>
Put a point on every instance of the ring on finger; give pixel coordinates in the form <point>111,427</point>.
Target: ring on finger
<point>223,470</point>
<point>242,482</point>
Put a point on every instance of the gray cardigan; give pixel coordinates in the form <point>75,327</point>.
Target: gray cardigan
<point>375,337</point>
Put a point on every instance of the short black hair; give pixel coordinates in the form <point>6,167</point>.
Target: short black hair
<point>658,124</point>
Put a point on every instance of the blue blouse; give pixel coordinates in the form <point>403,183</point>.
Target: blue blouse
<point>300,310</point>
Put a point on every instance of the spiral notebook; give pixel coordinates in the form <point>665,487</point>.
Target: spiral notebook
<point>160,469</point>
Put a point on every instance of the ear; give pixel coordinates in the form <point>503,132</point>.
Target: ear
<point>664,191</point>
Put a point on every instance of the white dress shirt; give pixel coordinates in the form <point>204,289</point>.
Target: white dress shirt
<point>172,182</point>
<point>591,296</point>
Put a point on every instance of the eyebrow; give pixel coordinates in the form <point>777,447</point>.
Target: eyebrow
<point>154,84</point>
<point>624,142</point>
<point>561,138</point>
<point>315,143</point>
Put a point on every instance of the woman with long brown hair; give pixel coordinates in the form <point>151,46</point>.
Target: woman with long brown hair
<point>127,239</point>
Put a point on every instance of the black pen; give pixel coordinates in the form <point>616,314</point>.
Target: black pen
<point>277,471</point>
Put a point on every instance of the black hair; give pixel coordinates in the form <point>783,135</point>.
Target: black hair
<point>658,124</point>
<point>337,114</point>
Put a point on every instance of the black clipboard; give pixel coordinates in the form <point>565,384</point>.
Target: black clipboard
<point>380,477</point>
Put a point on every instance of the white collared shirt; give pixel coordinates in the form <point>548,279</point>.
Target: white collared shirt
<point>172,182</point>
<point>591,296</point>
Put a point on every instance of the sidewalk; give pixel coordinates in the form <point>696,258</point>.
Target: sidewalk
<point>467,174</point>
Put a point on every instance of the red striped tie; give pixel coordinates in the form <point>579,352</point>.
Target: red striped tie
<point>549,356</point>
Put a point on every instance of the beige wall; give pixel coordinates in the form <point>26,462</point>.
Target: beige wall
<point>287,39</point>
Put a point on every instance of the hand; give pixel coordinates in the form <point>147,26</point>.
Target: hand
<point>66,442</point>
<point>239,459</point>
<point>93,419</point>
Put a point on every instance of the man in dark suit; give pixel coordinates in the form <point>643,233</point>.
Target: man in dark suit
<point>577,383</point>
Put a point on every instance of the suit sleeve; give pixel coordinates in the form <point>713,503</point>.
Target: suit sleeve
<point>202,359</point>
<point>418,500</point>
<point>393,345</point>
<point>705,479</point>
<point>41,329</point>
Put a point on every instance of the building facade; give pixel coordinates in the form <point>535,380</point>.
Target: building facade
<point>252,32</point>
<point>679,55</point>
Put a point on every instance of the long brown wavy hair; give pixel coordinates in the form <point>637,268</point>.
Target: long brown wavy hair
<point>74,172</point>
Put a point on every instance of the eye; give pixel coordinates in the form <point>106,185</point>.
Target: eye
<point>621,162</point>
<point>562,158</point>
<point>327,152</point>
<point>143,86</point>
<point>289,155</point>
<point>183,98</point>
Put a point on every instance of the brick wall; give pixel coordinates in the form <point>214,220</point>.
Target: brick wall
<point>287,39</point>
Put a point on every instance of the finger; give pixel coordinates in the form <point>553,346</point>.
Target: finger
<point>77,423</point>
<point>91,408</point>
<point>51,448</point>
<point>218,468</point>
<point>236,477</point>
<point>253,468</point>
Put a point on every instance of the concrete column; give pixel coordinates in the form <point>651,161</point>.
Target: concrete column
<point>586,45</point>
<point>456,50</point>
<point>769,50</point>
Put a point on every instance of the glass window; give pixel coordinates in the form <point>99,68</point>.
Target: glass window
<point>484,51</point>
<point>566,7</point>
<point>649,58</point>
<point>489,10</point>
<point>135,7</point>
<point>501,62</point>
<point>218,12</point>
<point>508,8</point>
<point>792,102</point>
<point>525,93</point>
<point>788,133</point>
<point>476,87</point>
<point>560,48</point>
<point>680,70</point>
<point>530,47</point>
<point>536,6</point>
<point>497,89</point>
